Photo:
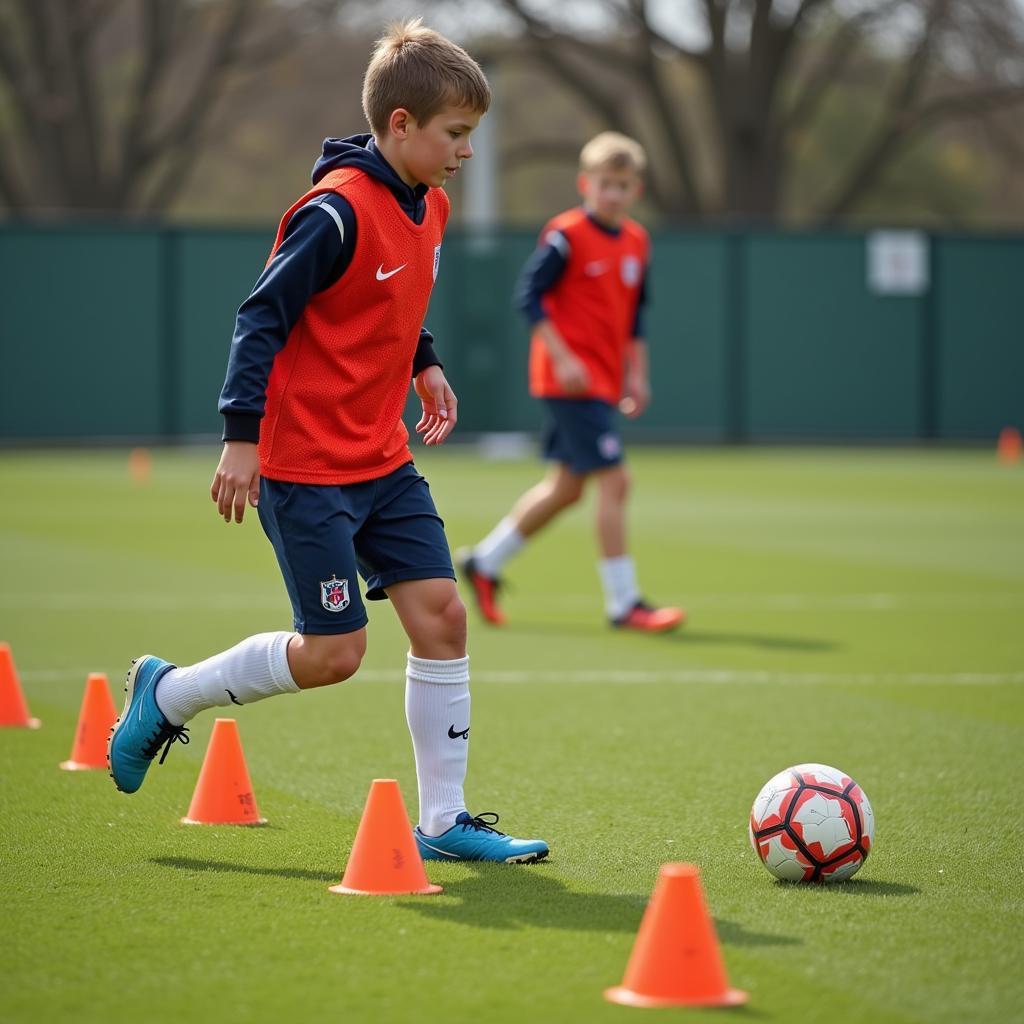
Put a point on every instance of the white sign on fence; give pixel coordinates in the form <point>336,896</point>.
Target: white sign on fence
<point>897,262</point>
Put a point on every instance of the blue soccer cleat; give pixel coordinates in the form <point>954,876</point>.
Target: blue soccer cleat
<point>476,839</point>
<point>142,729</point>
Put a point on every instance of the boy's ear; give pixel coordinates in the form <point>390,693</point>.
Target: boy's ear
<point>581,182</point>
<point>399,122</point>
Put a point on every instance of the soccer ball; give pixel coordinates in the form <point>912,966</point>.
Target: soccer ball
<point>812,823</point>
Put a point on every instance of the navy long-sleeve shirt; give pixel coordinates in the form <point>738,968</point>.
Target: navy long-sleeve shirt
<point>315,252</point>
<point>543,270</point>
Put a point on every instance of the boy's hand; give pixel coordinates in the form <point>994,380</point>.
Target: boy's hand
<point>636,398</point>
<point>569,369</point>
<point>237,477</point>
<point>440,406</point>
<point>571,373</point>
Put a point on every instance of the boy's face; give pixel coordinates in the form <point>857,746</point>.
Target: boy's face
<point>433,152</point>
<point>608,193</point>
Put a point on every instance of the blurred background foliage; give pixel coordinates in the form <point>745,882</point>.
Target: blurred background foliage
<point>801,113</point>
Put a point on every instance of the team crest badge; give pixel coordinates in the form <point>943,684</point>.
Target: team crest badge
<point>334,594</point>
<point>630,271</point>
<point>437,259</point>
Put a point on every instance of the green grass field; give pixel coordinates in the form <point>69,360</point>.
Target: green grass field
<point>860,608</point>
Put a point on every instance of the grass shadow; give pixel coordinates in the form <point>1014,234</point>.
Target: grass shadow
<point>536,900</point>
<point>764,641</point>
<point>687,635</point>
<point>868,887</point>
<point>194,864</point>
<point>731,933</point>
<point>537,628</point>
<point>533,899</point>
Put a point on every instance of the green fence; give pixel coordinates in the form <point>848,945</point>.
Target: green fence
<point>123,332</point>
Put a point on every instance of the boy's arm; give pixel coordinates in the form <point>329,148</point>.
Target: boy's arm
<point>316,250</point>
<point>637,387</point>
<point>541,273</point>
<point>425,354</point>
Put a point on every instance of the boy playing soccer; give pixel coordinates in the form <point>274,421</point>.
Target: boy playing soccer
<point>583,291</point>
<point>323,352</point>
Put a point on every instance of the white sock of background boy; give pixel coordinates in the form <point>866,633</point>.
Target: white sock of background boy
<point>498,547</point>
<point>618,577</point>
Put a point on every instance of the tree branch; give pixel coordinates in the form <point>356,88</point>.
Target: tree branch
<point>157,31</point>
<point>896,121</point>
<point>541,149</point>
<point>180,134</point>
<point>13,195</point>
<point>83,122</point>
<point>673,129</point>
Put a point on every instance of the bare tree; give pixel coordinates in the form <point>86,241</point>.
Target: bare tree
<point>104,104</point>
<point>762,74</point>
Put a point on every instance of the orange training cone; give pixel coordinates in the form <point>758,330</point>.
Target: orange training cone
<point>140,465</point>
<point>223,794</point>
<point>676,960</point>
<point>384,859</point>
<point>13,709</point>
<point>1009,447</point>
<point>95,720</point>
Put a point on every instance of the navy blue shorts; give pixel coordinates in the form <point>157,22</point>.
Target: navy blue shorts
<point>581,433</point>
<point>386,530</point>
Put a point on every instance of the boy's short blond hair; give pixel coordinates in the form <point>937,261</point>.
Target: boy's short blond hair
<point>613,151</point>
<point>417,68</point>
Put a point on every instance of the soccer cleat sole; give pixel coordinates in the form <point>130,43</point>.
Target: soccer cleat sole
<point>129,689</point>
<point>527,858</point>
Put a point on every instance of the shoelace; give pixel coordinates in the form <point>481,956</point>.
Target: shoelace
<point>484,822</point>
<point>166,735</point>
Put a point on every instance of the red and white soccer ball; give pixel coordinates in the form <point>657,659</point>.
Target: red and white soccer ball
<point>812,823</point>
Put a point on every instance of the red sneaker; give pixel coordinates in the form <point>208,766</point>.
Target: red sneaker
<point>485,591</point>
<point>645,619</point>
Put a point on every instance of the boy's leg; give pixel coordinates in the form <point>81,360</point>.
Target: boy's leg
<point>482,565</point>
<point>618,574</point>
<point>437,707</point>
<point>437,702</point>
<point>559,489</point>
<point>326,647</point>
<point>575,445</point>
<point>622,600</point>
<point>260,666</point>
<point>404,556</point>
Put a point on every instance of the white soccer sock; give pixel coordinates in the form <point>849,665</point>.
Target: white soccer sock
<point>254,669</point>
<point>498,547</point>
<point>618,576</point>
<point>437,710</point>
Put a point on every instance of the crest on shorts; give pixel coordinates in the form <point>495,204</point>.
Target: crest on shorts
<point>437,259</point>
<point>334,594</point>
<point>630,270</point>
<point>609,445</point>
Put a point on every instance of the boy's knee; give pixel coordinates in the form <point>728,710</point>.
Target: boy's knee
<point>452,620</point>
<point>570,490</point>
<point>615,483</point>
<point>339,658</point>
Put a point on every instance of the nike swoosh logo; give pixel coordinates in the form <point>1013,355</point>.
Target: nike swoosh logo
<point>452,734</point>
<point>596,269</point>
<point>382,276</point>
<point>234,699</point>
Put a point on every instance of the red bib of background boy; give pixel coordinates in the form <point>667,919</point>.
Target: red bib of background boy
<point>593,304</point>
